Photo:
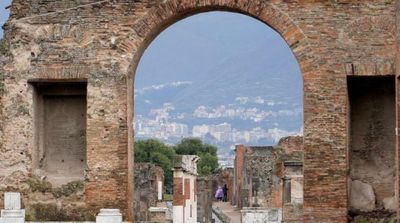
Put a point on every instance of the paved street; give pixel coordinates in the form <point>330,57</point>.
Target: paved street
<point>228,210</point>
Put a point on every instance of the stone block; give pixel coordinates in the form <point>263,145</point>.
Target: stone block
<point>158,214</point>
<point>13,212</point>
<point>109,216</point>
<point>12,216</point>
<point>362,197</point>
<point>12,201</point>
<point>187,163</point>
<point>258,215</point>
<point>390,203</point>
<point>159,190</point>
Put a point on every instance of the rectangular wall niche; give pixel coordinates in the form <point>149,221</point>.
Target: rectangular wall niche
<point>372,145</point>
<point>60,125</point>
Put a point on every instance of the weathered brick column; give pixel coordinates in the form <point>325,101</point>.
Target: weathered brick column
<point>397,185</point>
<point>185,189</point>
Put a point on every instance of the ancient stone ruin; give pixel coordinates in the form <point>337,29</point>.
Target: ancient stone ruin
<point>185,189</point>
<point>204,199</point>
<point>268,182</point>
<point>372,148</point>
<point>12,212</point>
<point>84,54</point>
<point>149,190</point>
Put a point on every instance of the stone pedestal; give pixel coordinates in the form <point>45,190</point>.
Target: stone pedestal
<point>255,215</point>
<point>12,216</point>
<point>12,212</point>
<point>158,214</point>
<point>109,216</point>
<point>12,201</point>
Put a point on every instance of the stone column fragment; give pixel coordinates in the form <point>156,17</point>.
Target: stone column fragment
<point>12,212</point>
<point>109,216</point>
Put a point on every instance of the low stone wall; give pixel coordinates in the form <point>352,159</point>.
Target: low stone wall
<point>160,215</point>
<point>292,213</point>
<point>66,222</point>
<point>12,212</point>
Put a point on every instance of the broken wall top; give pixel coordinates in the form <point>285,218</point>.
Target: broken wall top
<point>186,163</point>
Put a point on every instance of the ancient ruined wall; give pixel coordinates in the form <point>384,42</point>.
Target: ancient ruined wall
<point>271,178</point>
<point>259,177</point>
<point>147,177</point>
<point>293,197</point>
<point>204,199</point>
<point>4,53</point>
<point>71,45</point>
<point>263,173</point>
<point>238,181</point>
<point>291,144</point>
<point>372,145</point>
<point>102,41</point>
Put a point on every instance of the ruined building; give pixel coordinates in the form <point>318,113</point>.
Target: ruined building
<point>84,54</point>
<point>185,189</point>
<point>268,181</point>
<point>149,189</point>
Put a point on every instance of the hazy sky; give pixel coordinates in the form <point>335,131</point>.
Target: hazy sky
<point>189,47</point>
<point>3,12</point>
<point>213,60</point>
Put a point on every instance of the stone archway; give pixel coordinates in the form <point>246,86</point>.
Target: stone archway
<point>100,43</point>
<point>163,15</point>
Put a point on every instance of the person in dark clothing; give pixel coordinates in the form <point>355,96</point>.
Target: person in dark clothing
<point>225,190</point>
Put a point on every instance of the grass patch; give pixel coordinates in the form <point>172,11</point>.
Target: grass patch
<point>38,185</point>
<point>168,197</point>
<point>68,189</point>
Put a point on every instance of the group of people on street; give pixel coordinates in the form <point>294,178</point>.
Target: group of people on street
<point>222,193</point>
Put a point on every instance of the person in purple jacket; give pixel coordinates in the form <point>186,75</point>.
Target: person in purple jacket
<point>219,194</point>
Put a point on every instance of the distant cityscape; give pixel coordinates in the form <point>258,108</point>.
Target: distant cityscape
<point>159,125</point>
<point>163,125</point>
<point>149,128</point>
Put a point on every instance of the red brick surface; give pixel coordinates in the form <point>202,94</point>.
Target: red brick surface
<point>239,165</point>
<point>179,197</point>
<point>187,189</point>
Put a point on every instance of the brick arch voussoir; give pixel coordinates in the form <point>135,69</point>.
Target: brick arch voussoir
<point>166,13</point>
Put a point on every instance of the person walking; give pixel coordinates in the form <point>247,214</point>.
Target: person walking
<point>225,191</point>
<point>219,194</point>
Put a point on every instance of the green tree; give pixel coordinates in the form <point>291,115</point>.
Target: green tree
<point>208,163</point>
<point>155,152</point>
